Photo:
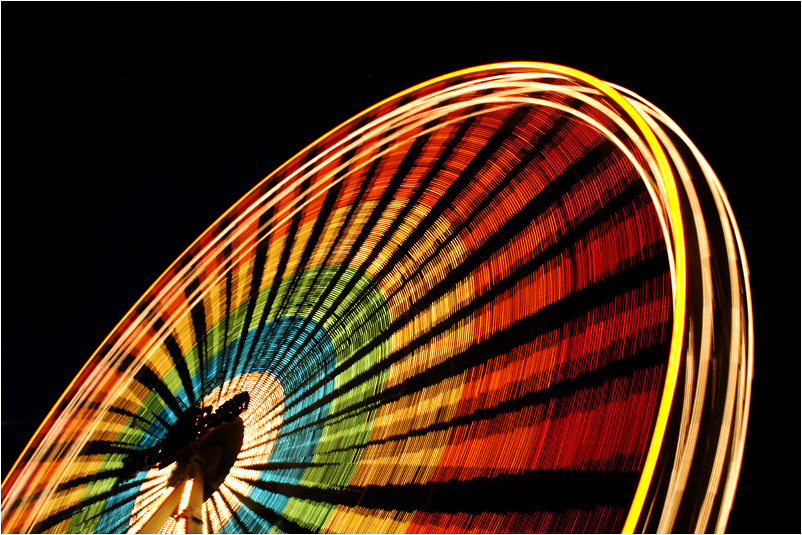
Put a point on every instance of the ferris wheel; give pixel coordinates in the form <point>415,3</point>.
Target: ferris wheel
<point>487,303</point>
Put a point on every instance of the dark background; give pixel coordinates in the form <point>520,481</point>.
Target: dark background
<point>128,128</point>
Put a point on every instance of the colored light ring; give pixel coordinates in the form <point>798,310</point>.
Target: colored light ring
<point>697,485</point>
<point>301,357</point>
<point>517,228</point>
<point>262,421</point>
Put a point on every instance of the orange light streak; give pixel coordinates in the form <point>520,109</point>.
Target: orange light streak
<point>625,144</point>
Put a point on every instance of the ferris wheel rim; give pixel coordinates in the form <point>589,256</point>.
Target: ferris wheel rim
<point>678,313</point>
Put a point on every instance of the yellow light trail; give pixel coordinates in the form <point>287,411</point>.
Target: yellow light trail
<point>508,85</point>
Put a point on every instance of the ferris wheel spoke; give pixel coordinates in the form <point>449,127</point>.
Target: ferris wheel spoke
<point>56,518</point>
<point>394,184</point>
<point>278,466</point>
<point>289,242</point>
<point>568,240</point>
<point>512,228</point>
<point>259,259</point>
<point>285,255</point>
<point>150,380</point>
<point>279,521</point>
<point>122,525</point>
<point>198,315</point>
<point>551,490</point>
<point>104,447</point>
<point>367,227</point>
<point>226,319</point>
<point>90,478</point>
<point>361,193</point>
<point>550,317</point>
<point>232,513</point>
<point>556,315</point>
<point>313,242</point>
<point>645,358</point>
<point>447,199</point>
<point>213,515</point>
<point>174,350</point>
<point>145,424</point>
<point>466,309</point>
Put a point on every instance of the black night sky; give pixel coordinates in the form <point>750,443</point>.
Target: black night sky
<point>128,128</point>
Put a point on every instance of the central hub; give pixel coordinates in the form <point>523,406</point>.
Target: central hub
<point>214,455</point>
<point>209,439</point>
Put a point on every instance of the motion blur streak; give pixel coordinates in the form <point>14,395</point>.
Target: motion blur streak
<point>512,298</point>
<point>727,313</point>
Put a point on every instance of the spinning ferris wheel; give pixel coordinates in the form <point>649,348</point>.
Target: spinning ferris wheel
<point>487,303</point>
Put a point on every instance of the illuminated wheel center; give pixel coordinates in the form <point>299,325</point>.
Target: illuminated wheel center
<point>464,310</point>
<point>224,456</point>
<point>216,454</point>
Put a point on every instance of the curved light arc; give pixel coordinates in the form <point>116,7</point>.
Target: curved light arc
<point>636,125</point>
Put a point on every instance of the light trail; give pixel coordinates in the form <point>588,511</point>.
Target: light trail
<point>502,274</point>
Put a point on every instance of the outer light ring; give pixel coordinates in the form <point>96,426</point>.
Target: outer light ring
<point>666,179</point>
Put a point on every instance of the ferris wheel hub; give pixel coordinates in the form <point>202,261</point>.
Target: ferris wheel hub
<point>212,456</point>
<point>202,466</point>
